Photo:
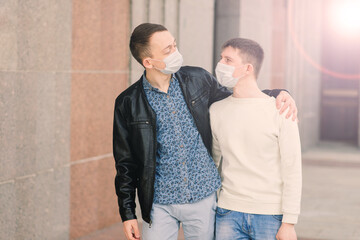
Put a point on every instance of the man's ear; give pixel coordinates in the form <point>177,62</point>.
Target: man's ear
<point>147,63</point>
<point>250,68</point>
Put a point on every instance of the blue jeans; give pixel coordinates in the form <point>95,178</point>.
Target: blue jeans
<point>198,221</point>
<point>237,225</point>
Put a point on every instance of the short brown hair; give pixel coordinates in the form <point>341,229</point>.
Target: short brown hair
<point>250,51</point>
<point>139,40</point>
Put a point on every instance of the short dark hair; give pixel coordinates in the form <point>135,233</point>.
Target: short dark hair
<point>249,50</point>
<point>139,40</point>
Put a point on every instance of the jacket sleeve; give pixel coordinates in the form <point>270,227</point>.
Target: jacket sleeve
<point>217,91</point>
<point>274,92</point>
<point>216,151</point>
<point>126,177</point>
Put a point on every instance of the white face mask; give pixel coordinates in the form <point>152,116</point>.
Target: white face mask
<point>173,63</point>
<point>224,74</point>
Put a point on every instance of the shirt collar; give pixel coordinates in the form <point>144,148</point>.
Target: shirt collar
<point>147,85</point>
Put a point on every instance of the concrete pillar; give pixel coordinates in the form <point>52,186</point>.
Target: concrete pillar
<point>61,67</point>
<point>35,63</point>
<point>100,63</point>
<point>196,33</point>
<point>256,23</point>
<point>303,80</point>
<point>227,24</point>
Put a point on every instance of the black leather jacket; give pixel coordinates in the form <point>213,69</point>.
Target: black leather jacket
<point>134,135</point>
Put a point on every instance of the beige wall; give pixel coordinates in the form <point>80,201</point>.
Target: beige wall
<point>302,79</point>
<point>99,73</point>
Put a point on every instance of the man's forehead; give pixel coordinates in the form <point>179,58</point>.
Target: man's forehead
<point>161,39</point>
<point>231,52</point>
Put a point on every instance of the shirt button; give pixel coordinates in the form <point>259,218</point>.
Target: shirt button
<point>168,96</point>
<point>183,163</point>
<point>185,179</point>
<point>174,112</point>
<point>181,146</point>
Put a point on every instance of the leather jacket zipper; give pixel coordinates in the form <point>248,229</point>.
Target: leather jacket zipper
<point>141,122</point>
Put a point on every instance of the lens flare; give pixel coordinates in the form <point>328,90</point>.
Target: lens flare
<point>346,17</point>
<point>305,54</point>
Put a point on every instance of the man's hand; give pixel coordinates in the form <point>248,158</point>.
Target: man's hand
<point>284,97</point>
<point>131,229</point>
<point>286,232</point>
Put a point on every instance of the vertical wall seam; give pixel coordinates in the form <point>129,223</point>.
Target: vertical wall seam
<point>163,13</point>
<point>129,29</point>
<point>178,23</point>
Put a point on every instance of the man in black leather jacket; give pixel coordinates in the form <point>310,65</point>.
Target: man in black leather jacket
<point>139,136</point>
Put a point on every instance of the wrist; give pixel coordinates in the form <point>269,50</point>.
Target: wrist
<point>290,225</point>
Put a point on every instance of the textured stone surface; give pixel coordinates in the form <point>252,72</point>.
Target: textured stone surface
<point>196,40</point>
<point>171,16</point>
<point>100,60</point>
<point>7,126</point>
<point>93,199</point>
<point>92,112</point>
<point>256,24</point>
<point>35,61</point>
<point>44,35</point>
<point>330,206</point>
<point>8,35</point>
<point>35,122</point>
<point>100,35</point>
<point>227,21</point>
<point>7,209</point>
<point>25,207</point>
<point>116,232</point>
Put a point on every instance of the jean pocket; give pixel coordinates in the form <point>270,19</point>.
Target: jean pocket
<point>278,217</point>
<point>222,211</point>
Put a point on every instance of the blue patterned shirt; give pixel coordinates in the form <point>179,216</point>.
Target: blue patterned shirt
<point>185,171</point>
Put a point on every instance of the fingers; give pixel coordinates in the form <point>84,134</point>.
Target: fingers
<point>131,230</point>
<point>277,237</point>
<point>284,107</point>
<point>136,231</point>
<point>291,111</point>
<point>279,100</point>
<point>128,232</point>
<point>295,115</point>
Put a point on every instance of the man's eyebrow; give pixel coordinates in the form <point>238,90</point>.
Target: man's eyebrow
<point>170,45</point>
<point>227,57</point>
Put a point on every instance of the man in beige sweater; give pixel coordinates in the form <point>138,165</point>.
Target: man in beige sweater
<point>257,151</point>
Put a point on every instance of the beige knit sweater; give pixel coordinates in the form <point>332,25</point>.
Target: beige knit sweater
<point>258,154</point>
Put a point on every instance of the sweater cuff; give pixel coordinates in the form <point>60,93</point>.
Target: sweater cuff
<point>290,218</point>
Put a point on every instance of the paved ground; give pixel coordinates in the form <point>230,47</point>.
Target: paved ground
<point>331,193</point>
<point>331,196</point>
